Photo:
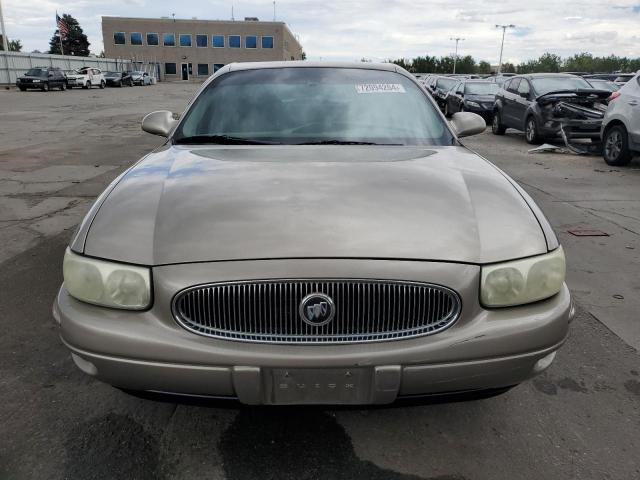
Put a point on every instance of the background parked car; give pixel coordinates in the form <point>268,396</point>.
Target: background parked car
<point>141,78</point>
<point>86,77</point>
<point>42,78</point>
<point>602,84</point>
<point>441,88</point>
<point>118,79</point>
<point>475,96</point>
<point>548,105</point>
<point>621,124</point>
<point>623,78</point>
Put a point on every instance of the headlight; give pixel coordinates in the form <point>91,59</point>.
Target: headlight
<point>107,284</point>
<point>523,281</point>
<point>473,104</point>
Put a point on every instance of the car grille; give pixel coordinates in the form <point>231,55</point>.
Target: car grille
<point>268,311</point>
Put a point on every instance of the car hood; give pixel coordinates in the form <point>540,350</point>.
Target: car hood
<point>209,203</point>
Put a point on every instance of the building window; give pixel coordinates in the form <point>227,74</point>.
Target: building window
<point>185,40</point>
<point>267,42</point>
<point>169,39</point>
<point>136,38</point>
<point>250,41</point>
<point>217,66</point>
<point>170,69</point>
<point>202,41</point>
<point>119,38</point>
<point>217,41</point>
<point>203,69</point>
<point>234,41</point>
<point>152,39</point>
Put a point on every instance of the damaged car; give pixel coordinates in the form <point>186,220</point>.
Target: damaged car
<point>550,106</point>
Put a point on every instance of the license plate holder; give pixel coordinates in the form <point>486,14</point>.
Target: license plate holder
<point>319,386</point>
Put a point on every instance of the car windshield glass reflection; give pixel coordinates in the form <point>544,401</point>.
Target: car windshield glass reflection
<point>481,88</point>
<point>546,85</point>
<point>446,83</point>
<point>36,72</point>
<point>313,105</point>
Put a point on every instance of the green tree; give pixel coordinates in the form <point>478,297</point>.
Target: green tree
<point>580,62</point>
<point>444,65</point>
<point>14,45</point>
<point>402,62</point>
<point>484,67</point>
<point>76,43</point>
<point>466,65</point>
<point>549,62</point>
<point>508,68</point>
<point>426,64</point>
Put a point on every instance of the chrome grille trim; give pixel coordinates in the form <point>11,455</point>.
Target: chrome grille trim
<point>266,311</point>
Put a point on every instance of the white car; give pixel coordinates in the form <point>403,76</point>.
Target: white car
<point>86,77</point>
<point>621,125</point>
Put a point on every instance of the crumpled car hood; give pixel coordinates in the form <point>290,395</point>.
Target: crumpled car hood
<point>211,203</point>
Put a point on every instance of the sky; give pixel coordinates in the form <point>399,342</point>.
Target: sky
<point>376,29</point>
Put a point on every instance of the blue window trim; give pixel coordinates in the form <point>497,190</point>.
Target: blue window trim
<point>206,40</point>
<point>164,42</point>
<point>246,38</point>
<point>149,44</point>
<point>131,39</point>
<point>239,41</point>
<point>185,35</point>
<point>213,42</point>
<point>124,38</point>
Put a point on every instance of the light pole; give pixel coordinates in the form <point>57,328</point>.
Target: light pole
<point>5,40</point>
<point>504,29</point>
<point>455,58</point>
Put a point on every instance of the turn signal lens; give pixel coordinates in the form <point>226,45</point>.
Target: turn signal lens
<point>107,284</point>
<point>523,281</point>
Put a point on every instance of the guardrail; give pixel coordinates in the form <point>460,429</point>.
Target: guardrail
<point>15,64</point>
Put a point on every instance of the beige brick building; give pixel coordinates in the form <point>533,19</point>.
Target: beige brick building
<point>191,50</point>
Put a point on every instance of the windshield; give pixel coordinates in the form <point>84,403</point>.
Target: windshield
<point>481,88</point>
<point>546,85</point>
<point>36,72</point>
<point>446,83</point>
<point>313,105</point>
<point>112,74</point>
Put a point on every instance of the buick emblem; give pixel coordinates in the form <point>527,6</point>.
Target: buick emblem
<point>317,309</point>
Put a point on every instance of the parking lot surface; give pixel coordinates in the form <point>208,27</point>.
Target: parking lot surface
<point>578,420</point>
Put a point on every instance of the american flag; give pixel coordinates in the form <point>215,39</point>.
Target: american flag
<point>63,28</point>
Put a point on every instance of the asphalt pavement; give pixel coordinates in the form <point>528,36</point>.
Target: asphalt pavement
<point>579,420</point>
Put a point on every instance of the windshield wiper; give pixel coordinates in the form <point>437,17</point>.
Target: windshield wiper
<point>222,140</point>
<point>344,142</point>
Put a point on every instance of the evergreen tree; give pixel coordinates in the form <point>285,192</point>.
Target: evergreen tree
<point>75,43</point>
<point>14,45</point>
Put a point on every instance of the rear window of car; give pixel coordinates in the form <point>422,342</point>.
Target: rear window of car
<point>446,83</point>
<point>315,105</point>
<point>481,88</point>
<point>36,72</point>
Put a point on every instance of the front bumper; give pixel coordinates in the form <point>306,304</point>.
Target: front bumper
<point>574,129</point>
<point>484,349</point>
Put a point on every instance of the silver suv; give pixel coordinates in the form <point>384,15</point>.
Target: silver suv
<point>621,125</point>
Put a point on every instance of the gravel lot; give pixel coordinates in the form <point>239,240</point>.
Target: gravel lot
<point>581,419</point>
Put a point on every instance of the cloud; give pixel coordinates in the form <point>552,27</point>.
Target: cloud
<point>377,29</point>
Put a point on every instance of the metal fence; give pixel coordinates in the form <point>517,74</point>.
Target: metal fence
<point>15,64</point>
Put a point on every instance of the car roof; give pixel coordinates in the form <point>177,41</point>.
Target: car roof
<point>389,67</point>
<point>548,75</point>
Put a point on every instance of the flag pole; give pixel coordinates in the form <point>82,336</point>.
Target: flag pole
<point>5,40</point>
<point>59,34</point>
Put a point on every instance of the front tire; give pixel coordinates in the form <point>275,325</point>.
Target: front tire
<point>22,89</point>
<point>102,85</point>
<point>45,87</point>
<point>616,146</point>
<point>63,86</point>
<point>496,126</point>
<point>87,86</point>
<point>531,134</point>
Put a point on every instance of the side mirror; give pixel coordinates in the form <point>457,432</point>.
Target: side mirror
<point>159,123</point>
<point>466,124</point>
